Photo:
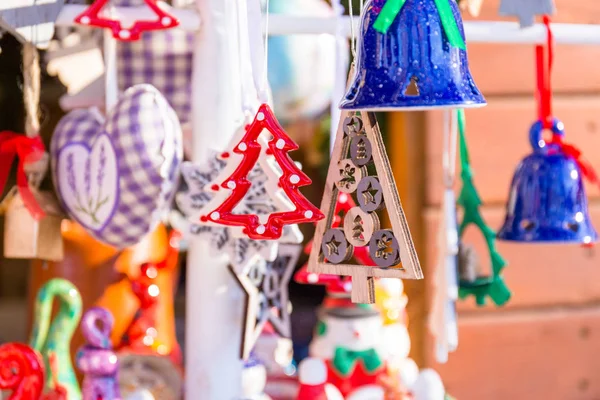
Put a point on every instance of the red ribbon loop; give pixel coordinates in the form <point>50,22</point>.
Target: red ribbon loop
<point>544,71</point>
<point>28,150</point>
<point>586,168</point>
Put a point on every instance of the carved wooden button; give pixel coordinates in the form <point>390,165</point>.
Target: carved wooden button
<point>353,126</point>
<point>369,194</point>
<point>384,248</point>
<point>335,247</point>
<point>359,226</point>
<point>361,151</point>
<point>348,175</point>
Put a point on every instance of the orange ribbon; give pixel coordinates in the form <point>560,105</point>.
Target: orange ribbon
<point>28,150</point>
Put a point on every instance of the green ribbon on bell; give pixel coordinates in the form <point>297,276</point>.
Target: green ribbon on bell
<point>392,8</point>
<point>344,360</point>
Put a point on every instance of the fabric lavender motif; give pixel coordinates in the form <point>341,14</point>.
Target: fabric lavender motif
<point>117,176</point>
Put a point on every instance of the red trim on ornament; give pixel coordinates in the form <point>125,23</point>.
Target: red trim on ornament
<point>290,181</point>
<point>91,17</point>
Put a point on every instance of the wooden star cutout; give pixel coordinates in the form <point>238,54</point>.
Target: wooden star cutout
<point>266,288</point>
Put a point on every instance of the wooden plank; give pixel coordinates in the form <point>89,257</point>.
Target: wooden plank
<point>406,149</point>
<point>549,355</point>
<point>569,11</point>
<point>498,138</point>
<point>534,271</point>
<point>510,69</point>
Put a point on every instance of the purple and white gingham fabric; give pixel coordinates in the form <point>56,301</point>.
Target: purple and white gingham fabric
<point>117,176</point>
<point>164,60</point>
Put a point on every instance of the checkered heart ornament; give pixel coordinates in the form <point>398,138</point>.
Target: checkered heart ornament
<point>117,175</point>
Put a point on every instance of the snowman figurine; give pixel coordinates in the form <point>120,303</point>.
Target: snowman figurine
<point>349,338</point>
<point>365,349</point>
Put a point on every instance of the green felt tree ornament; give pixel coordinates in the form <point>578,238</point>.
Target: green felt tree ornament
<point>481,286</point>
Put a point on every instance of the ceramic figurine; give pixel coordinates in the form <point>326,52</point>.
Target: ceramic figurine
<point>349,339</point>
<point>21,372</point>
<point>116,174</point>
<point>254,380</point>
<point>97,360</point>
<point>276,355</point>
<point>313,382</point>
<point>140,395</point>
<point>412,55</point>
<point>52,340</point>
<point>547,200</point>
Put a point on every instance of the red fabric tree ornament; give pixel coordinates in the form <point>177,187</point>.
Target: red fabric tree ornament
<point>91,17</point>
<point>291,179</point>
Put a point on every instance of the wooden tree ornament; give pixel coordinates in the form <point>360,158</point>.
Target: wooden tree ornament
<point>359,145</point>
<point>266,287</point>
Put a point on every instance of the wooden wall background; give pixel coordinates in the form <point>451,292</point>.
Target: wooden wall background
<point>546,343</point>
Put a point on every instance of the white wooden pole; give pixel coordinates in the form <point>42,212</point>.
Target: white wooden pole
<point>214,301</point>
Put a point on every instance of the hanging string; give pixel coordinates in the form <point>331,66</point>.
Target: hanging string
<point>245,64</point>
<point>263,91</point>
<point>544,75</point>
<point>449,147</point>
<point>31,89</point>
<point>352,31</point>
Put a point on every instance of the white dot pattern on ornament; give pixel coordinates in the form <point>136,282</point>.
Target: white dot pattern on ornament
<point>231,185</point>
<point>294,179</point>
<point>308,214</point>
<point>85,20</point>
<point>260,116</point>
<point>215,216</point>
<point>166,21</point>
<point>261,229</point>
<point>280,144</point>
<point>242,147</point>
<point>124,34</point>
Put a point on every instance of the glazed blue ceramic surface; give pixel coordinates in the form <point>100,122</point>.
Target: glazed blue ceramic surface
<point>415,46</point>
<point>547,200</point>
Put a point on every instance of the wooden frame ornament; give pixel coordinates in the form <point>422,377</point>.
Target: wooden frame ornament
<point>392,250</point>
<point>266,287</point>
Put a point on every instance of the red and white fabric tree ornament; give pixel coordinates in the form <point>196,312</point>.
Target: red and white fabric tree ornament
<point>220,210</point>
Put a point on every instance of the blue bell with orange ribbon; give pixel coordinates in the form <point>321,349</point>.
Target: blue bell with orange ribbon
<point>411,55</point>
<point>547,201</point>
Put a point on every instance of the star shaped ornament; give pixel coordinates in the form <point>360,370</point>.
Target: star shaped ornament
<point>201,191</point>
<point>266,287</point>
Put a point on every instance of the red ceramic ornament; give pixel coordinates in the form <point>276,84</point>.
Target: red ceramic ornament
<point>292,178</point>
<point>21,371</point>
<point>91,17</point>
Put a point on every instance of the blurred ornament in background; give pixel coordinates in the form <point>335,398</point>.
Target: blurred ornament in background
<point>547,200</point>
<point>472,6</point>
<point>411,56</point>
<point>301,68</point>
<point>526,10</point>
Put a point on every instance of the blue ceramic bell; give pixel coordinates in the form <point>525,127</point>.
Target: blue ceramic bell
<point>547,200</point>
<point>412,55</point>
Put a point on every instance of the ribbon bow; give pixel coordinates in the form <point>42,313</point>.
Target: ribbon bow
<point>570,150</point>
<point>392,8</point>
<point>28,150</point>
<point>344,360</point>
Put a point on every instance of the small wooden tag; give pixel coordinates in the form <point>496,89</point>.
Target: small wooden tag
<point>26,238</point>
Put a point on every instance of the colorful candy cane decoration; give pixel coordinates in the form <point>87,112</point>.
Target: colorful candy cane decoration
<point>53,340</point>
<point>97,360</point>
<point>21,371</point>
